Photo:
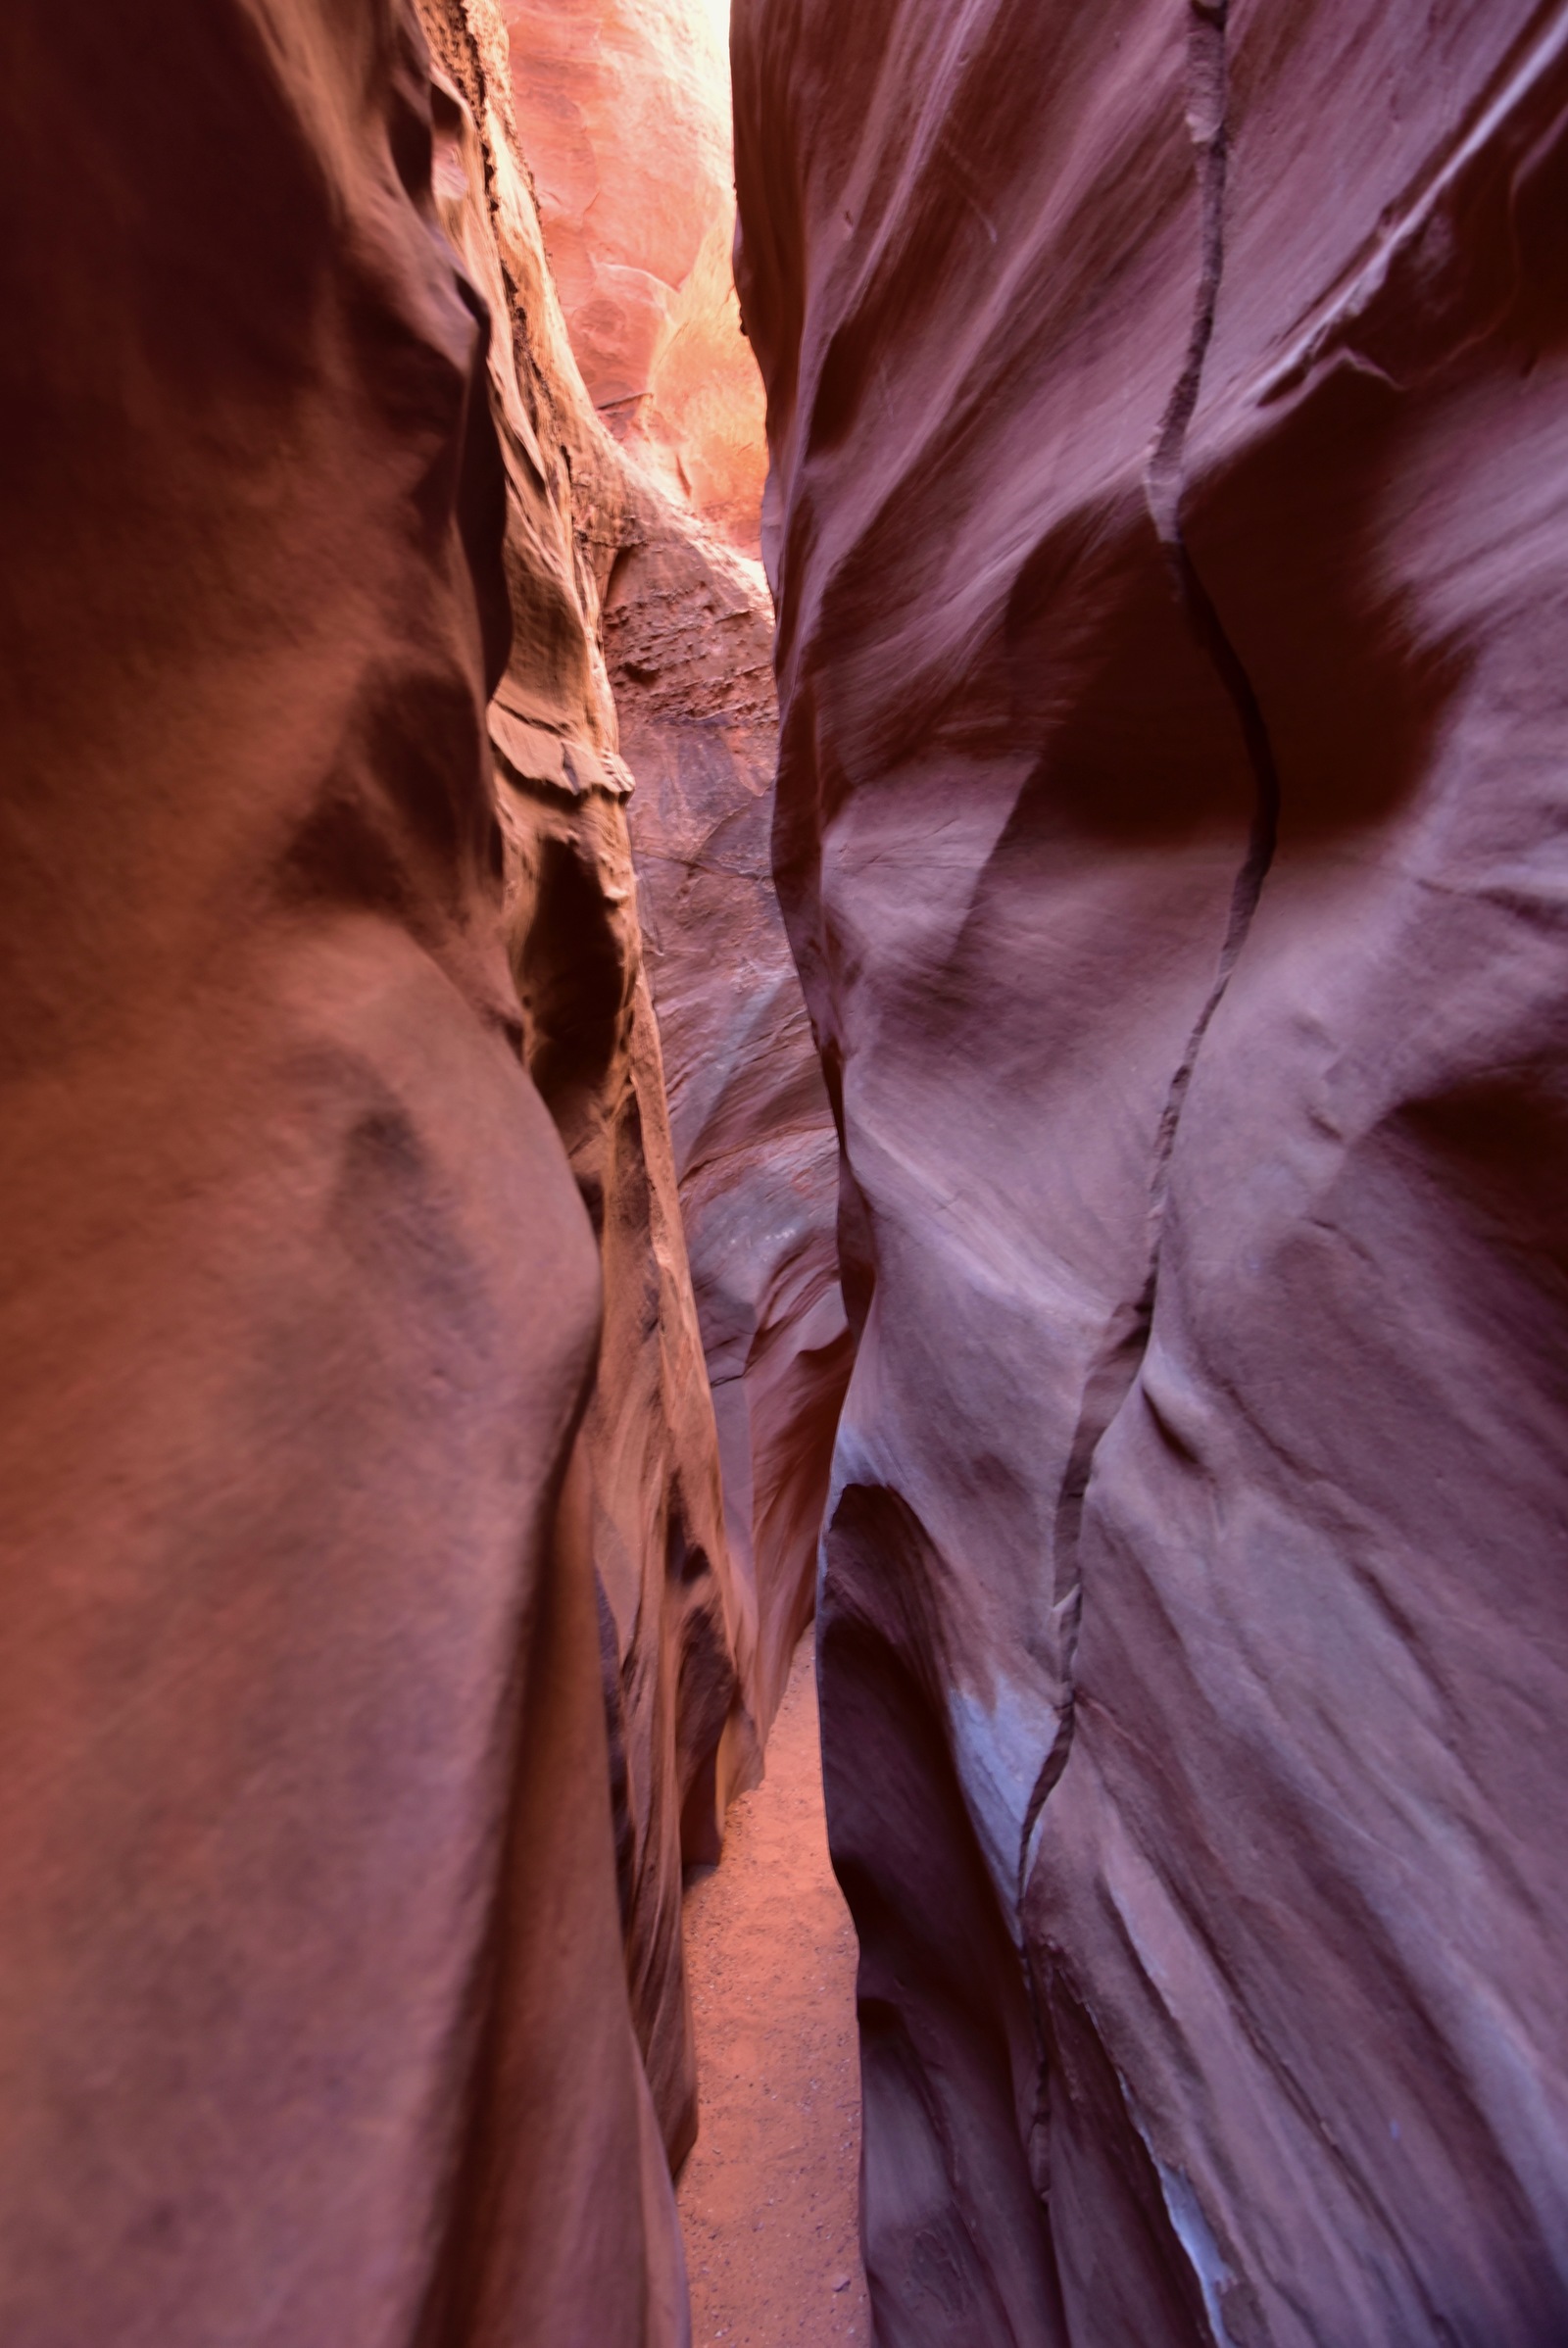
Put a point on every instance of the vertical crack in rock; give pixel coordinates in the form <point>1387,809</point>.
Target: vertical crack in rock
<point>1126,1340</point>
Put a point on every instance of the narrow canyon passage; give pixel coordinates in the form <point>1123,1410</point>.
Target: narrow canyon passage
<point>647,649</point>
<point>767,2199</point>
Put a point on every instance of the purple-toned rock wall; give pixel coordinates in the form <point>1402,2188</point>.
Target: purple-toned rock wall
<point>688,631</point>
<point>1169,525</point>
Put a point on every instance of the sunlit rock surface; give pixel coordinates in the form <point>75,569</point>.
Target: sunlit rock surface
<point>1169,527</point>
<point>313,2019</point>
<point>624,112</point>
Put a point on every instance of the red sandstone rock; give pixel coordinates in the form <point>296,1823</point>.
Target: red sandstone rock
<point>688,631</point>
<point>312,1994</point>
<point>688,626</point>
<point>705,1573</point>
<point>679,1637</point>
<point>1168,421</point>
<point>623,109</point>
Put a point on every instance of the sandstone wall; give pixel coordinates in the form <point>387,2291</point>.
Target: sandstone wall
<point>1168,522</point>
<point>623,107</point>
<point>688,632</point>
<point>633,99</point>
<point>704,1537</point>
<point>313,2019</point>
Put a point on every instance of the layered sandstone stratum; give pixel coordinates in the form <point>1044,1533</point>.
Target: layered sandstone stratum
<point>1169,420</point>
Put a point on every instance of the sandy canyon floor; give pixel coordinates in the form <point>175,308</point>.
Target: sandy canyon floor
<point>768,2196</point>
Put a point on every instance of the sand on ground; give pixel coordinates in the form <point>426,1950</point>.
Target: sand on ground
<point>767,2199</point>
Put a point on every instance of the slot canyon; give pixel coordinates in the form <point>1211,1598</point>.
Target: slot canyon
<point>784,1322</point>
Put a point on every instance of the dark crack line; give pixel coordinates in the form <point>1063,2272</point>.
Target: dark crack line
<point>1125,1343</point>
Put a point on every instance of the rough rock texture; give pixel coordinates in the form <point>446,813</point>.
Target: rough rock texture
<point>687,626</point>
<point>679,1637</point>
<point>624,111</point>
<point>707,1573</point>
<point>1169,524</point>
<point>688,632</point>
<point>313,2025</point>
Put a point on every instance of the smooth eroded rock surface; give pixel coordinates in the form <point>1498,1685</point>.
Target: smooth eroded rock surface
<point>624,111</point>
<point>314,2020</point>
<point>1170,530</point>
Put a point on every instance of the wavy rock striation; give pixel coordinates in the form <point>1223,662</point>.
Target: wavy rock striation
<point>704,1538</point>
<point>688,631</point>
<point>313,1996</point>
<point>625,112</point>
<point>1168,524</point>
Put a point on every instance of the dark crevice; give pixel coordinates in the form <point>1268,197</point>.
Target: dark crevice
<point>1125,1343</point>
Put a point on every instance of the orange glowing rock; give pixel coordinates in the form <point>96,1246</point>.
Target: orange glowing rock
<point>623,109</point>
